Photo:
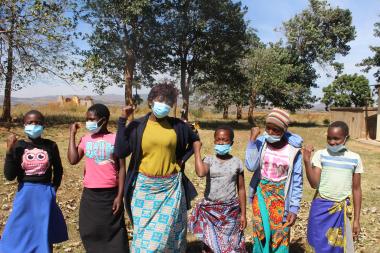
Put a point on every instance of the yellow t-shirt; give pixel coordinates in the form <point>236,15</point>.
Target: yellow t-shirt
<point>159,144</point>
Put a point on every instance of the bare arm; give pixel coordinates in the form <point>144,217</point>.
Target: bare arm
<point>201,168</point>
<point>242,201</point>
<point>118,202</point>
<point>313,173</point>
<point>252,154</point>
<point>74,153</point>
<point>357,196</point>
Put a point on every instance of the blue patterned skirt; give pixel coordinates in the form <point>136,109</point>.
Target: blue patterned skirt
<point>159,214</point>
<point>329,229</point>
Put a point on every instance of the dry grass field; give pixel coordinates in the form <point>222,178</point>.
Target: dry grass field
<point>309,125</point>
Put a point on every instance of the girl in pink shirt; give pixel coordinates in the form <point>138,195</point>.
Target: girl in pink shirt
<point>101,214</point>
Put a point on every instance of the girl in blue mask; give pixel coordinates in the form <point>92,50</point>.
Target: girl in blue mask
<point>157,190</point>
<point>335,172</point>
<point>101,213</point>
<point>36,222</point>
<point>220,218</point>
<point>276,186</point>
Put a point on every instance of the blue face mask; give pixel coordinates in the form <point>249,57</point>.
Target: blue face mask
<point>222,149</point>
<point>337,148</point>
<point>33,131</point>
<point>272,138</point>
<point>93,127</point>
<point>160,110</point>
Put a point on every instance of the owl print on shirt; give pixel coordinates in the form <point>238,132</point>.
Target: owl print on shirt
<point>35,161</point>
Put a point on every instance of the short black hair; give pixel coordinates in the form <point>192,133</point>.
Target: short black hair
<point>342,125</point>
<point>227,128</point>
<point>167,90</point>
<point>100,111</point>
<point>35,112</point>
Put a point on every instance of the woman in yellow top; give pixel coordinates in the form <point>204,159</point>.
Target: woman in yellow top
<point>156,195</point>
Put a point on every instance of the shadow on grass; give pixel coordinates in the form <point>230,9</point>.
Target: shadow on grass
<point>196,246</point>
<point>297,246</point>
<point>237,125</point>
<point>245,125</point>
<point>306,124</point>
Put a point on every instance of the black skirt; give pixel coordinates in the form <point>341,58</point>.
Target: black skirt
<point>99,229</point>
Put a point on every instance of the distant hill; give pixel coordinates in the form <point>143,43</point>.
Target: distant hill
<point>318,107</point>
<point>109,99</point>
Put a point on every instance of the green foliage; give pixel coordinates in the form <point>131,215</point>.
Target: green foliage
<point>197,113</point>
<point>137,99</point>
<point>35,40</point>
<point>374,61</point>
<point>203,36</point>
<point>347,91</point>
<point>126,43</point>
<point>320,32</point>
<point>219,74</point>
<point>284,75</point>
<point>278,78</point>
<point>38,33</point>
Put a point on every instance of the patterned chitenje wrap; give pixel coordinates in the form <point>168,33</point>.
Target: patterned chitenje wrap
<point>270,234</point>
<point>329,226</point>
<point>217,224</point>
<point>159,214</point>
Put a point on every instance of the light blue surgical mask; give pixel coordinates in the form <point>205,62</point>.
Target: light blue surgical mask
<point>33,131</point>
<point>337,148</point>
<point>272,138</point>
<point>222,149</point>
<point>160,110</point>
<point>92,126</point>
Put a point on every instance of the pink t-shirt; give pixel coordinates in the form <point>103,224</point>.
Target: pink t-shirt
<point>100,164</point>
<point>275,163</point>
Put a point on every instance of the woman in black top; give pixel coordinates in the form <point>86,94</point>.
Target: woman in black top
<point>156,188</point>
<point>36,222</point>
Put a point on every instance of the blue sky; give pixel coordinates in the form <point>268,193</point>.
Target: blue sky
<point>264,16</point>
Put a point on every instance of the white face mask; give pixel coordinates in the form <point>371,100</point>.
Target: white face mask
<point>272,138</point>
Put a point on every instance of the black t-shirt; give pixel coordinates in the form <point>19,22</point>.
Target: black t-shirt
<point>34,161</point>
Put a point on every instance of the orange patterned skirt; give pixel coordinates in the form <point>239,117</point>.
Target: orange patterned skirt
<point>269,232</point>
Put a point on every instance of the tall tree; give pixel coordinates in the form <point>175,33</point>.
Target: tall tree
<point>34,41</point>
<point>225,87</point>
<point>198,31</point>
<point>347,91</point>
<point>374,61</point>
<point>320,32</point>
<point>126,43</point>
<point>278,78</point>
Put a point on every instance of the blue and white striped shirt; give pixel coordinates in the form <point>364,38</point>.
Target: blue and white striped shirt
<point>337,171</point>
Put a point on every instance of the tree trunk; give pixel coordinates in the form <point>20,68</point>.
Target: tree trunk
<point>239,112</point>
<point>252,106</point>
<point>6,116</point>
<point>185,88</point>
<point>225,112</point>
<point>128,73</point>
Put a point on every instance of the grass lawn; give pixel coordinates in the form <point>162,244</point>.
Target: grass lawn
<point>70,192</point>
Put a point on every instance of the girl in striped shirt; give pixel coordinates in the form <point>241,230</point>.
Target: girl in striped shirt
<point>335,173</point>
